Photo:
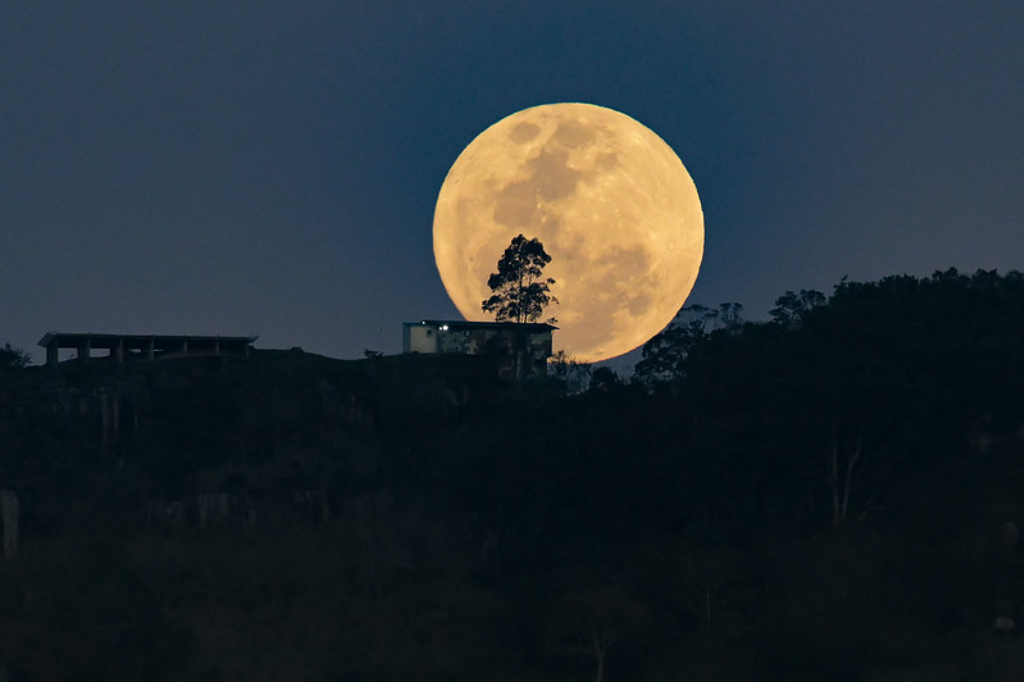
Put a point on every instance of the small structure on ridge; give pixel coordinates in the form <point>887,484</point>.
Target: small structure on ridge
<point>521,350</point>
<point>123,347</point>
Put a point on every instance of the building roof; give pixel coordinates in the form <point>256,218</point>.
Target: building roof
<point>136,341</point>
<point>465,325</point>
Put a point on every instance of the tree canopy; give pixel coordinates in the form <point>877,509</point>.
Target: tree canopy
<point>521,292</point>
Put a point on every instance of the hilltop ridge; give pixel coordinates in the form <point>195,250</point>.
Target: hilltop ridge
<point>833,494</point>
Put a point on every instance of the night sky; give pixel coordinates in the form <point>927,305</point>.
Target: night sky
<point>271,168</point>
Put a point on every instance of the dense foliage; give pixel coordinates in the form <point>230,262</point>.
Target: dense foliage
<point>831,495</point>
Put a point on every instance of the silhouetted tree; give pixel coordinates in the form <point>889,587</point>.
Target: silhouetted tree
<point>570,376</point>
<point>604,380</point>
<point>665,355</point>
<point>520,291</point>
<point>790,308</point>
<point>596,617</point>
<point>12,358</point>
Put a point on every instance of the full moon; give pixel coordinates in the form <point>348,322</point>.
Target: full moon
<point>610,201</point>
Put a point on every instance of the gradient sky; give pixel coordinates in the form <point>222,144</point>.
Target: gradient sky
<point>271,168</point>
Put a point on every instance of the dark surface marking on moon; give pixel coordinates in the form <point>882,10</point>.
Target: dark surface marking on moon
<point>620,269</point>
<point>640,301</point>
<point>631,260</point>
<point>568,244</point>
<point>552,176</point>
<point>516,204</point>
<point>550,179</point>
<point>607,161</point>
<point>597,331</point>
<point>637,304</point>
<point>523,133</point>
<point>572,134</point>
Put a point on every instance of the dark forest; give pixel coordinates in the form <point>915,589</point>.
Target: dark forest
<point>834,494</point>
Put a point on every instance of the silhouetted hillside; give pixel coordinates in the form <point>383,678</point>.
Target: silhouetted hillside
<point>833,494</point>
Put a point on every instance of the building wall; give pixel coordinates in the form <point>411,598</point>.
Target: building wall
<point>520,353</point>
<point>463,341</point>
<point>420,339</point>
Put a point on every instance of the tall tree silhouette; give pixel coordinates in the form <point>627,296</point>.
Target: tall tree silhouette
<point>521,292</point>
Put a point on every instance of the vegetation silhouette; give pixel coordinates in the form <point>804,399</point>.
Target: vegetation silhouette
<point>13,358</point>
<point>830,494</point>
<point>521,290</point>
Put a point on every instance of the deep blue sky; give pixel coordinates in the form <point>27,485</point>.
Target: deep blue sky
<point>271,167</point>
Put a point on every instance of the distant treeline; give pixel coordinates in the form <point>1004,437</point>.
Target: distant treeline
<point>834,494</point>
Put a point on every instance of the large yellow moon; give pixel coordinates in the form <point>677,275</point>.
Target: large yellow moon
<point>610,201</point>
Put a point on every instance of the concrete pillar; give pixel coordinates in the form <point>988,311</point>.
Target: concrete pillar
<point>9,513</point>
<point>85,350</point>
<point>150,354</point>
<point>119,352</point>
<point>105,417</point>
<point>52,354</point>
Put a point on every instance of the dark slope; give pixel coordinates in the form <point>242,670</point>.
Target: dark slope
<point>831,495</point>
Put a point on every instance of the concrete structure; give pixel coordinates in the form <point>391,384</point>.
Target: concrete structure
<point>522,350</point>
<point>124,347</point>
